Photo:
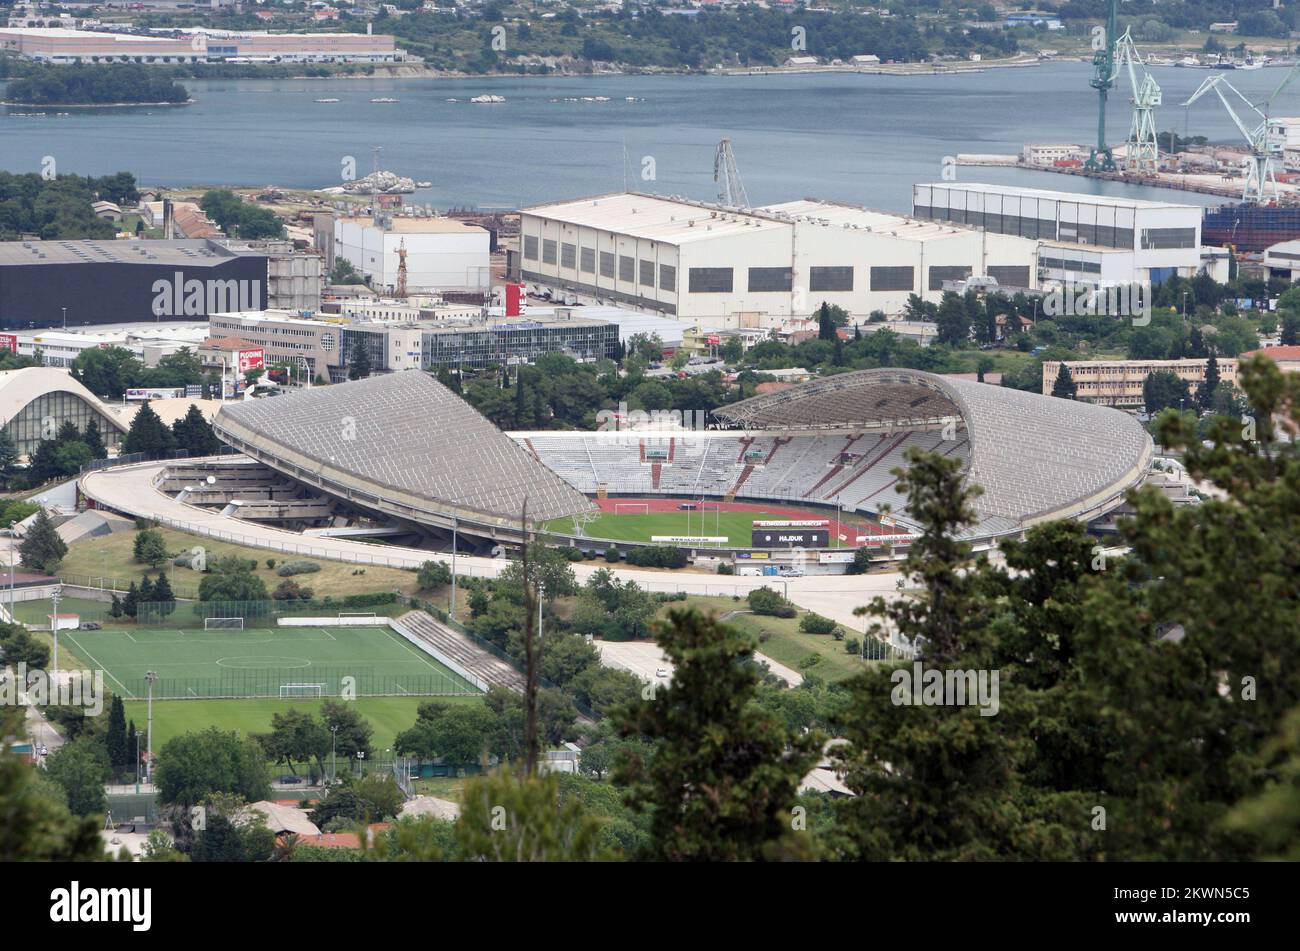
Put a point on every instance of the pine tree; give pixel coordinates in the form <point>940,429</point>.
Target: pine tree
<point>131,602</point>
<point>1205,392</point>
<point>359,365</point>
<point>8,455</point>
<point>42,549</point>
<point>163,596</point>
<point>148,434</point>
<point>94,440</point>
<point>144,595</point>
<point>115,740</point>
<point>1064,387</point>
<point>825,326</point>
<point>115,609</point>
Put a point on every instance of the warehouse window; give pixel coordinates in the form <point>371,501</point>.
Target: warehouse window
<point>668,278</point>
<point>626,268</point>
<point>893,279</point>
<point>588,258</point>
<point>709,280</point>
<point>568,255</point>
<point>830,279</point>
<point>530,247</point>
<point>647,273</point>
<point>1010,275</point>
<point>606,264</point>
<point>770,279</point>
<point>947,272</point>
<point>1158,238</point>
<point>548,251</point>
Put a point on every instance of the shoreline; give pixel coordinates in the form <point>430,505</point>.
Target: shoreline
<point>93,105</point>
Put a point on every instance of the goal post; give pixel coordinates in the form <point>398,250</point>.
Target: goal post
<point>309,691</point>
<point>631,508</point>
<point>352,617</point>
<point>223,624</point>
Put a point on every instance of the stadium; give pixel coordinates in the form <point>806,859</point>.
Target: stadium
<point>402,456</point>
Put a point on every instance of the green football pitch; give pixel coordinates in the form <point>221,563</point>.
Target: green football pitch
<point>640,526</point>
<point>281,662</point>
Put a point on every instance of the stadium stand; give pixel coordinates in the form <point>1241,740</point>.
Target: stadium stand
<point>446,642</point>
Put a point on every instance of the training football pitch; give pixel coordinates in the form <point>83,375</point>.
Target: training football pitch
<point>635,526</point>
<point>281,662</point>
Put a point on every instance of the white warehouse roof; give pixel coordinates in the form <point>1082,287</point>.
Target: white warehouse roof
<point>1051,195</point>
<point>678,220</point>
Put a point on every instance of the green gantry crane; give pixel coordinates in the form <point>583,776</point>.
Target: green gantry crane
<point>1100,158</point>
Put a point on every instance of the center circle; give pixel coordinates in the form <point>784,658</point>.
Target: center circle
<point>262,662</point>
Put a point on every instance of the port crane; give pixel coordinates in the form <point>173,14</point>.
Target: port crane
<point>1260,185</point>
<point>1142,151</point>
<point>731,190</point>
<point>1103,80</point>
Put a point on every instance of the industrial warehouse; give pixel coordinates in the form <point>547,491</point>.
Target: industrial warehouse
<point>726,268</point>
<point>74,283</point>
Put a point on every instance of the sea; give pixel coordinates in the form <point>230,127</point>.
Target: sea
<point>847,137</point>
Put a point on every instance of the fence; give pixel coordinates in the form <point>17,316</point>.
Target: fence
<point>266,683</point>
<point>187,614</point>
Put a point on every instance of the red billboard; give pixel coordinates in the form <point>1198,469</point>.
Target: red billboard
<point>515,300</point>
<point>251,359</point>
<point>9,342</point>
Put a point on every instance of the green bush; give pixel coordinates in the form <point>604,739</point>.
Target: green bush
<point>657,557</point>
<point>612,556</point>
<point>295,568</point>
<point>572,554</point>
<point>767,601</point>
<point>725,569</point>
<point>812,623</point>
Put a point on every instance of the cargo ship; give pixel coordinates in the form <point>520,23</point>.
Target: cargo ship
<point>1250,227</point>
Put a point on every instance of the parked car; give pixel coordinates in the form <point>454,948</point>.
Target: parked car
<point>91,626</point>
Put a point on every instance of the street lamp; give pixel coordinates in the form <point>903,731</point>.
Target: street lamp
<point>150,677</point>
<point>137,762</point>
<point>455,527</point>
<point>334,737</point>
<point>55,597</point>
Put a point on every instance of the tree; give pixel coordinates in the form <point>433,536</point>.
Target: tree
<point>148,434</point>
<point>953,321</point>
<point>149,547</point>
<point>195,765</point>
<point>1205,392</point>
<point>94,440</point>
<point>296,737</point>
<point>725,773</point>
<point>433,575</point>
<point>1290,334</point>
<point>508,818</point>
<point>9,456</point>
<point>219,841</point>
<point>1164,389</point>
<point>456,734</point>
<point>42,549</point>
<point>231,579</point>
<point>116,741</point>
<point>164,599</point>
<point>374,797</point>
<point>1064,387</point>
<point>359,364</point>
<point>106,371</point>
<point>195,434</point>
<point>81,768</point>
<point>825,326</point>
<point>131,600</point>
<point>354,732</point>
<point>38,825</point>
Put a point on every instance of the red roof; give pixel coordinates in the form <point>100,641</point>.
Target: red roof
<point>1276,353</point>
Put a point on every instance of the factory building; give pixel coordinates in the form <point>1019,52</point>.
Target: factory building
<point>441,253</point>
<point>48,284</point>
<point>1086,239</point>
<point>726,268</point>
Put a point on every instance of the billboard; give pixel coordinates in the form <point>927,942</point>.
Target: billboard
<point>252,359</point>
<point>156,393</point>
<point>794,523</point>
<point>9,342</point>
<point>515,300</point>
<point>790,538</point>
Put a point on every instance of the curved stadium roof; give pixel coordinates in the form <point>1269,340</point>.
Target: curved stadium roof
<point>1037,457</point>
<point>402,443</point>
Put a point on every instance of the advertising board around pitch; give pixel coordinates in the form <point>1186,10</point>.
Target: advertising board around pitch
<point>790,538</point>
